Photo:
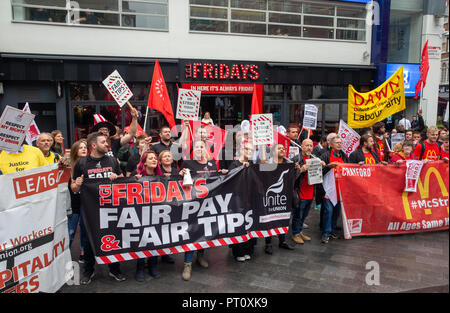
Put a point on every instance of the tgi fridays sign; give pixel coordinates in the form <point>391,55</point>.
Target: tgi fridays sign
<point>188,104</point>
<point>262,126</point>
<point>118,88</point>
<point>14,124</point>
<point>222,71</point>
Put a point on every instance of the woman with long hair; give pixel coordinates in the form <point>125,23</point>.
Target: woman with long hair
<point>79,150</point>
<point>58,142</point>
<point>148,166</point>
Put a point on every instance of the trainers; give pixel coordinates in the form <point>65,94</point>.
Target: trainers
<point>81,259</point>
<point>334,236</point>
<point>87,277</point>
<point>317,207</point>
<point>187,271</point>
<point>268,249</point>
<point>325,240</point>
<point>305,225</point>
<point>117,276</point>
<point>247,257</point>
<point>240,258</point>
<point>201,260</point>
<point>304,237</point>
<point>298,239</point>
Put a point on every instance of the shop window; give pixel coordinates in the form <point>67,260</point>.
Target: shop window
<point>285,6</point>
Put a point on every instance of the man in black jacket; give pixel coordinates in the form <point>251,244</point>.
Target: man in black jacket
<point>365,154</point>
<point>332,158</point>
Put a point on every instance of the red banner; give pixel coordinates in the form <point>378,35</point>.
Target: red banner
<point>374,201</point>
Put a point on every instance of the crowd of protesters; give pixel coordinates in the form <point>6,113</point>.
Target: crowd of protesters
<point>107,152</point>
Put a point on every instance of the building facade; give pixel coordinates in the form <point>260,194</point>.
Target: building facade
<point>54,54</point>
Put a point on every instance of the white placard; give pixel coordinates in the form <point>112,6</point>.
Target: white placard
<point>314,171</point>
<point>188,104</point>
<point>14,125</point>
<point>293,151</point>
<point>329,185</point>
<point>118,88</point>
<point>310,117</point>
<point>413,169</point>
<point>396,138</point>
<point>350,138</point>
<point>262,129</point>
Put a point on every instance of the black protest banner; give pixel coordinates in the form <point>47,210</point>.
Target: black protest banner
<point>132,218</point>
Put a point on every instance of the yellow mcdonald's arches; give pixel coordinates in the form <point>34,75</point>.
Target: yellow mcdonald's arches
<point>370,160</point>
<point>431,155</point>
<point>424,191</point>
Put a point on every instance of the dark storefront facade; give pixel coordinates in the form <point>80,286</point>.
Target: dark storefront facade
<point>65,91</point>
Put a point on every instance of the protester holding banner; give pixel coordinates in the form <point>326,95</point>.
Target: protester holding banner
<point>305,194</point>
<point>166,164</point>
<point>108,130</point>
<point>26,158</point>
<point>278,156</point>
<point>445,147</point>
<point>429,149</point>
<point>44,142</point>
<point>405,154</point>
<point>96,165</point>
<point>148,166</point>
<point>332,159</point>
<point>78,150</point>
<point>365,154</point>
<point>244,250</point>
<point>58,142</point>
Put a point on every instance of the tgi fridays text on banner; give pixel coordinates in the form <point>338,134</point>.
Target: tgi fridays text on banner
<point>188,104</point>
<point>350,138</point>
<point>262,126</point>
<point>34,240</point>
<point>366,109</point>
<point>130,219</point>
<point>380,206</point>
<point>14,125</point>
<point>118,88</point>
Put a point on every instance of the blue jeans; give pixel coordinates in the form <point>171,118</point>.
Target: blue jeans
<point>299,216</point>
<point>330,217</point>
<point>188,256</point>
<point>73,225</point>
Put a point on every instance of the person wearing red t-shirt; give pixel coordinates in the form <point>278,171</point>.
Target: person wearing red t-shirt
<point>380,145</point>
<point>444,147</point>
<point>405,154</point>
<point>332,158</point>
<point>429,148</point>
<point>365,154</point>
<point>305,193</point>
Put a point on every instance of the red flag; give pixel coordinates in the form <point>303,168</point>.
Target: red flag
<point>281,139</point>
<point>424,67</point>
<point>216,137</point>
<point>33,132</point>
<point>256,105</point>
<point>158,98</point>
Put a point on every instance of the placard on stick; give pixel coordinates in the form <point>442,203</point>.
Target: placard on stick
<point>310,117</point>
<point>118,88</point>
<point>14,124</point>
<point>262,129</point>
<point>188,104</point>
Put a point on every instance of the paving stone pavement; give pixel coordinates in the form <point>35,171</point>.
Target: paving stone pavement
<point>408,263</point>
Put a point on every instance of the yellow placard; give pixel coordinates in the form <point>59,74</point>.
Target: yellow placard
<point>366,109</point>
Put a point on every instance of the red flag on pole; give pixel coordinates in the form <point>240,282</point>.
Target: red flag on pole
<point>281,139</point>
<point>158,98</point>
<point>33,132</point>
<point>424,67</point>
<point>256,104</point>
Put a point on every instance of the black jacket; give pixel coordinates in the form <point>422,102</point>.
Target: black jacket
<point>326,158</point>
<point>358,156</point>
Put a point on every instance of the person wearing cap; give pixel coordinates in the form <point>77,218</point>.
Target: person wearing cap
<point>109,130</point>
